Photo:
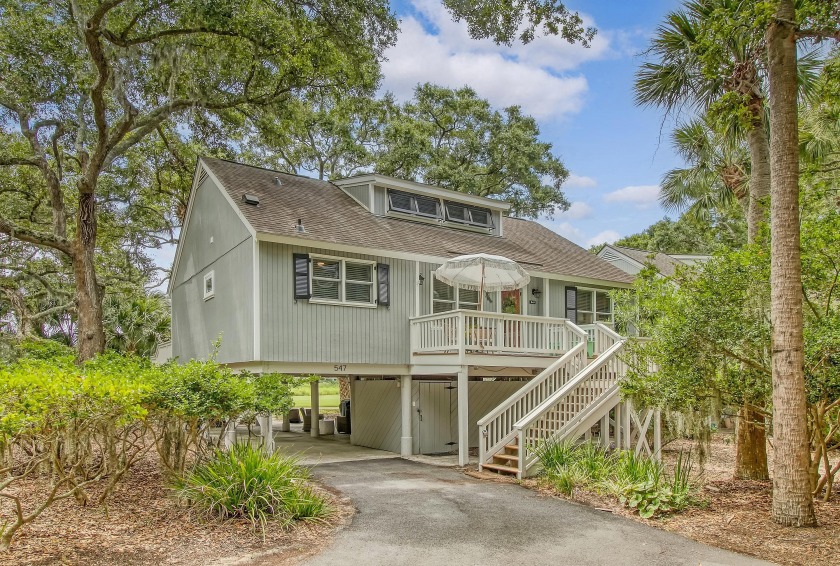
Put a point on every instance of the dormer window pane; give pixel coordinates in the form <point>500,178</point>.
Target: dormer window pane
<point>470,215</point>
<point>417,205</point>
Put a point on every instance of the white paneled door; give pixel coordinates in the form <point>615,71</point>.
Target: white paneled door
<point>437,411</point>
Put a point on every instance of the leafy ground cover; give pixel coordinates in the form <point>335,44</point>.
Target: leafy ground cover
<point>733,514</point>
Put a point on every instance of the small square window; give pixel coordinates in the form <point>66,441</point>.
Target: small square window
<point>209,285</point>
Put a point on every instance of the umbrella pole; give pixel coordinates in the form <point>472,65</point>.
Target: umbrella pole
<point>481,290</point>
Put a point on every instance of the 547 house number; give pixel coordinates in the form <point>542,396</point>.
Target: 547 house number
<point>340,367</point>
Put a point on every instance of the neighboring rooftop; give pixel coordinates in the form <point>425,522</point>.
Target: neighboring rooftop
<point>665,263</point>
<point>330,215</point>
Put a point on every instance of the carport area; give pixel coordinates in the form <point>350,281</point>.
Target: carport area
<point>324,449</point>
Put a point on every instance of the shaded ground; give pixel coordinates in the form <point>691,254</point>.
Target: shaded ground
<point>143,525</point>
<point>413,513</point>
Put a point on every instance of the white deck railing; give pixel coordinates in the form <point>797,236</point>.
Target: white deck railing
<point>466,331</point>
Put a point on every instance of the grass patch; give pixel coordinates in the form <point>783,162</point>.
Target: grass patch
<point>641,484</point>
<point>327,403</point>
<point>246,483</point>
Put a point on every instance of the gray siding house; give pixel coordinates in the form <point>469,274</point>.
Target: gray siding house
<point>304,276</point>
<point>632,260</point>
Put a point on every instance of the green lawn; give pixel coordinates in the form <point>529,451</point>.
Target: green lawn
<point>329,397</point>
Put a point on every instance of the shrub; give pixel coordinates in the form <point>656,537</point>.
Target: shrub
<point>639,483</point>
<point>246,483</point>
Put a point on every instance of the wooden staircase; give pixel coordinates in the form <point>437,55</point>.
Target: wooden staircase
<point>564,401</point>
<point>505,462</point>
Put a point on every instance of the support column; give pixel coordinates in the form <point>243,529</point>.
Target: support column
<point>267,430</point>
<point>230,433</point>
<point>286,424</point>
<point>406,447</point>
<point>626,411</point>
<point>315,401</point>
<point>605,431</point>
<point>617,425</point>
<point>463,418</point>
<point>657,435</point>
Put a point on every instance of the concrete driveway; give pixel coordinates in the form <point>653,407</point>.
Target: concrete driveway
<point>413,513</point>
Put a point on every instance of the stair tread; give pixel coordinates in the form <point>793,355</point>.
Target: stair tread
<point>500,468</point>
<point>506,456</point>
<point>512,446</point>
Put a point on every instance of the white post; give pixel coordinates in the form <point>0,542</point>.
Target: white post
<point>463,418</point>
<point>406,447</point>
<point>230,433</point>
<point>657,435</point>
<point>267,426</point>
<point>315,401</point>
<point>605,431</point>
<point>618,424</point>
<point>625,416</point>
<point>286,424</point>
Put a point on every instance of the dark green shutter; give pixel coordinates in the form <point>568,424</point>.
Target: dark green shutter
<point>571,304</point>
<point>301,267</point>
<point>383,283</point>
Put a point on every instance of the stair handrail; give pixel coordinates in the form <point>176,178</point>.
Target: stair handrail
<point>558,396</point>
<point>576,355</point>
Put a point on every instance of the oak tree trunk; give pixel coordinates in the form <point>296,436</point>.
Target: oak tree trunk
<point>793,503</point>
<point>90,332</point>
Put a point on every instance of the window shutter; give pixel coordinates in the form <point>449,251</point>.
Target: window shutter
<point>301,265</point>
<point>383,281</point>
<point>571,304</point>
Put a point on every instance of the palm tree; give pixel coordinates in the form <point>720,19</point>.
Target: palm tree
<point>689,73</point>
<point>137,324</point>
<point>717,175</point>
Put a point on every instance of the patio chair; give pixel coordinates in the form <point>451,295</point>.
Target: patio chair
<point>342,425</point>
<point>294,416</point>
<point>307,419</point>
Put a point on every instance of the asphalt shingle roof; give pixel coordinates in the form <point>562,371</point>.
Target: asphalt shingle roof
<point>330,215</point>
<point>661,261</point>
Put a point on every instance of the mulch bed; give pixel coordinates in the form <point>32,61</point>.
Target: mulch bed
<point>143,524</point>
<point>735,514</point>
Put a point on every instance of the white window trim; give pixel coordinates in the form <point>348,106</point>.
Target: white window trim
<point>594,312</point>
<point>211,275</point>
<point>456,301</point>
<point>343,281</point>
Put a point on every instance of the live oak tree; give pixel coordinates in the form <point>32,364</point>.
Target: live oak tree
<point>456,140</point>
<point>81,83</point>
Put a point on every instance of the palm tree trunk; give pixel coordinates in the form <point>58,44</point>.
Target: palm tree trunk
<point>751,437</point>
<point>793,503</point>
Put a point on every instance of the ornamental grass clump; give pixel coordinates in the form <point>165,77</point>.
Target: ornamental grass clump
<point>640,483</point>
<point>246,483</point>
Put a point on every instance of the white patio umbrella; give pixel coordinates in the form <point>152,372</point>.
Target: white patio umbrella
<point>483,273</point>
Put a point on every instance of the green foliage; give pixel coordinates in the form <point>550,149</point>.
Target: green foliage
<point>690,234</point>
<point>246,483</point>
<point>136,324</point>
<point>640,483</point>
<point>454,139</point>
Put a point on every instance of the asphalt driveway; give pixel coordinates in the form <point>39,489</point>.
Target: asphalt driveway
<point>413,513</point>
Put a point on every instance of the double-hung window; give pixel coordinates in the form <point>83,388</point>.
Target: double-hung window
<point>447,298</point>
<point>346,281</point>
<point>594,306</point>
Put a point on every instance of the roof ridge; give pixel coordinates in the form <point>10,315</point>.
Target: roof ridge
<point>267,169</point>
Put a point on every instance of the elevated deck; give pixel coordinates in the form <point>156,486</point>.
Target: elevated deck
<point>445,342</point>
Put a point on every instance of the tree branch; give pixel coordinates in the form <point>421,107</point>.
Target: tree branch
<point>37,238</point>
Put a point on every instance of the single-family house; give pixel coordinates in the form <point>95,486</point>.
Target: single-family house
<point>305,276</point>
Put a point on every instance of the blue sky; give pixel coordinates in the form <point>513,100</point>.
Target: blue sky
<point>582,99</point>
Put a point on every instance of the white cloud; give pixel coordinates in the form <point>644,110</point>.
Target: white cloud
<point>642,196</point>
<point>578,210</point>
<point>534,76</point>
<point>605,237</point>
<point>579,181</point>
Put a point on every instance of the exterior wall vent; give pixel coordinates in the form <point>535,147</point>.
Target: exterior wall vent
<point>250,199</point>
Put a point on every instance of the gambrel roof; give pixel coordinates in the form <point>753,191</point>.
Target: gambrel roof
<point>331,216</point>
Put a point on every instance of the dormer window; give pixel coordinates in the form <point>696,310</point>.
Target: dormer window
<point>417,205</point>
<point>469,215</point>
